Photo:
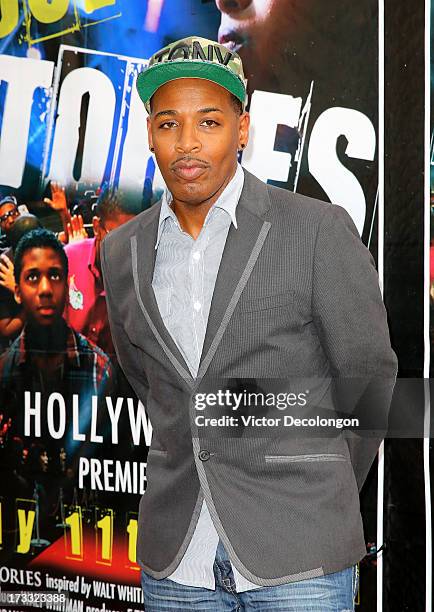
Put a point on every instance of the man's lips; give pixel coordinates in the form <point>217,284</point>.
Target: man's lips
<point>46,310</point>
<point>190,170</point>
<point>231,39</point>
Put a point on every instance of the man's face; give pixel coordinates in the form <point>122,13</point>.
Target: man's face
<point>42,287</point>
<point>7,223</point>
<point>196,134</point>
<point>263,32</point>
<point>43,461</point>
<point>102,228</point>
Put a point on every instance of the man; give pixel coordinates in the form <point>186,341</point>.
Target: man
<point>8,213</point>
<point>229,278</point>
<point>286,43</point>
<point>289,46</point>
<point>14,222</point>
<point>86,310</point>
<point>48,356</point>
<point>12,316</point>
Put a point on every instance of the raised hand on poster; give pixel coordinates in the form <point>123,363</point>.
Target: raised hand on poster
<point>7,278</point>
<point>76,230</point>
<point>59,204</point>
<point>58,199</point>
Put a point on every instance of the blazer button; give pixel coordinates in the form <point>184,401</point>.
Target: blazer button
<point>204,455</point>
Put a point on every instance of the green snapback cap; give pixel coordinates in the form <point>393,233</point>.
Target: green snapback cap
<point>193,57</point>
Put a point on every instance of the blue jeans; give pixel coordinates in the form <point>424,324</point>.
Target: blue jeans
<point>331,593</point>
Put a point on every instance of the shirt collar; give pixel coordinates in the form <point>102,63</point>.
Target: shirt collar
<point>228,201</point>
<point>165,212</point>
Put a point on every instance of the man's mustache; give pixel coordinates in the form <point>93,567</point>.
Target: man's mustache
<point>188,160</point>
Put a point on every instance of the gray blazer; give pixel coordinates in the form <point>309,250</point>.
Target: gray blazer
<point>296,295</point>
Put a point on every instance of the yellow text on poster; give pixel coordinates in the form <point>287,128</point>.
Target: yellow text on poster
<point>46,12</point>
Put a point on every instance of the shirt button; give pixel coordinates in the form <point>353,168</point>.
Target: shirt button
<point>197,306</point>
<point>204,455</point>
<point>196,256</point>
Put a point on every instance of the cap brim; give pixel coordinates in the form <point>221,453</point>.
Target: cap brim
<point>157,75</point>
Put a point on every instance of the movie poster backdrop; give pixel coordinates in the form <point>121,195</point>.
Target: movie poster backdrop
<point>73,435</point>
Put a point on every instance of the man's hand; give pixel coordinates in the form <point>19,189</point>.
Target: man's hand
<point>7,278</point>
<point>62,237</point>
<point>10,327</point>
<point>58,199</point>
<point>76,230</point>
<point>59,204</point>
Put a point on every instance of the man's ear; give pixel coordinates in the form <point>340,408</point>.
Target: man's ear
<point>17,294</point>
<point>243,129</point>
<point>150,141</point>
<point>95,225</point>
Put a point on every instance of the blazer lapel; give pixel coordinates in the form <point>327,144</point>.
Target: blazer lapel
<point>242,248</point>
<point>143,255</point>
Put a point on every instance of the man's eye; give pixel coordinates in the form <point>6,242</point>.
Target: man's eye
<point>209,123</point>
<point>55,276</point>
<point>168,124</point>
<point>32,277</point>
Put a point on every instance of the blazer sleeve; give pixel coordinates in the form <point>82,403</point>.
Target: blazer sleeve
<point>351,321</point>
<point>126,352</point>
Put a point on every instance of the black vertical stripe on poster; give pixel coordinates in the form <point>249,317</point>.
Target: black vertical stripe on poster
<point>404,509</point>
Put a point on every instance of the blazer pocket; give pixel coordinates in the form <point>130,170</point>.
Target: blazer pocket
<point>266,302</point>
<point>157,451</point>
<point>305,458</point>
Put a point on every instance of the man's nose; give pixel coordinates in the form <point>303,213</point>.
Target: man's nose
<point>232,6</point>
<point>45,287</point>
<point>188,140</point>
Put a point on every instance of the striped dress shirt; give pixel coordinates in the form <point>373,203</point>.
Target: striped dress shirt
<point>183,282</point>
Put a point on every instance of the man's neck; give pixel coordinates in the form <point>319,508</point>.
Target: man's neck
<point>191,217</point>
<point>46,341</point>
